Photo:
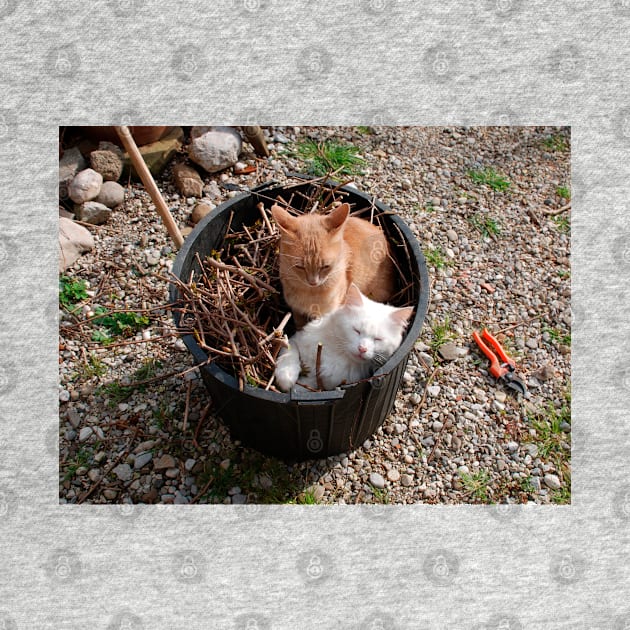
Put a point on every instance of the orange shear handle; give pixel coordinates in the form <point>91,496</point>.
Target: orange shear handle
<point>496,369</point>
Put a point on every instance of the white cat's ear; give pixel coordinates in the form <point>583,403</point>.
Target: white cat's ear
<point>337,217</point>
<point>284,220</point>
<point>401,315</point>
<point>353,296</point>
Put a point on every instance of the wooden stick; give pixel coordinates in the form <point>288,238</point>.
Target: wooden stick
<point>318,362</point>
<point>149,183</point>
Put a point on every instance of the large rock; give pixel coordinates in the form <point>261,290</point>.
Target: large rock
<point>74,240</point>
<point>85,186</point>
<point>92,212</point>
<point>187,180</point>
<point>157,154</point>
<point>214,148</point>
<point>69,165</point>
<point>107,163</point>
<point>112,194</point>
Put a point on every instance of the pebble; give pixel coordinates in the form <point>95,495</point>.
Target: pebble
<point>189,464</point>
<point>406,480</point>
<point>452,236</point>
<point>172,473</point>
<point>449,351</point>
<point>152,257</point>
<point>426,360</point>
<point>85,434</point>
<point>123,472</point>
<point>532,343</point>
<point>73,417</point>
<point>239,499</point>
<point>552,481</point>
<point>94,474</point>
<point>415,398</point>
<point>142,460</point>
<point>64,396</point>
<point>164,462</point>
<point>433,390</point>
<point>376,479</point>
<point>512,446</point>
<point>393,475</point>
<point>437,425</point>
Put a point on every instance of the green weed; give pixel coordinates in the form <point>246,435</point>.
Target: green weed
<point>476,484</point>
<point>324,158</point>
<point>111,325</point>
<point>564,192</point>
<point>555,142</point>
<point>489,177</point>
<point>71,291</point>
<point>436,258</point>
<point>486,226</point>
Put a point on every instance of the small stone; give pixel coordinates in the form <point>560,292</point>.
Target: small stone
<point>142,460</point>
<point>280,137</point>
<point>393,475</point>
<point>85,186</point>
<point>512,446</point>
<point>163,462</point>
<point>552,481</point>
<point>426,360</point>
<point>71,435</point>
<point>449,351</point>
<point>456,442</point>
<point>189,464</point>
<point>92,212</point>
<point>234,490</point>
<point>123,472</point>
<point>377,480</point>
<point>73,417</point>
<point>531,449</point>
<point>85,434</point>
<point>452,236</point>
<point>544,373</point>
<point>158,154</point>
<point>501,465</point>
<point>433,390</point>
<point>317,491</point>
<point>94,474</point>
<point>107,163</point>
<point>437,425</point>
<point>172,473</point>
<point>565,427</point>
<point>225,464</point>
<point>239,499</point>
<point>187,180</point>
<point>112,194</point>
<point>532,343</point>
<point>69,165</point>
<point>406,480</point>
<point>463,470</point>
<point>110,494</point>
<point>200,210</point>
<point>415,398</point>
<point>152,256</point>
<point>500,396</point>
<point>266,482</point>
<point>64,396</point>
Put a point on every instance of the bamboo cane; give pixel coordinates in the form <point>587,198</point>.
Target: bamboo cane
<point>149,183</point>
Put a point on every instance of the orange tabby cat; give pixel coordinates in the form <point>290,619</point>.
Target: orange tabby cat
<point>322,255</point>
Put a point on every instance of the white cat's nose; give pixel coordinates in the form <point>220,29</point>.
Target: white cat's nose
<point>362,349</point>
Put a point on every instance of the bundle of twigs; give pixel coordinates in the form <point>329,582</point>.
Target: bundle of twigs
<point>233,305</point>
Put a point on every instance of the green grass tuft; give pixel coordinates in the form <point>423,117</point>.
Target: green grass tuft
<point>491,178</point>
<point>325,158</point>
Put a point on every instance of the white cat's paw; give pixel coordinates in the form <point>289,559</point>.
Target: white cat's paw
<point>287,375</point>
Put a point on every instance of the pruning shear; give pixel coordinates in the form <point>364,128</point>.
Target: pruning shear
<point>504,371</point>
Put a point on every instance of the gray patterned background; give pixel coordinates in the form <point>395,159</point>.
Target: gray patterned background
<point>349,62</point>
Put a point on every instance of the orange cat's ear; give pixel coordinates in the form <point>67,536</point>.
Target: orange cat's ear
<point>401,315</point>
<point>284,220</point>
<point>337,217</point>
<point>353,296</point>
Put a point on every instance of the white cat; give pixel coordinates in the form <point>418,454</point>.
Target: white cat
<point>356,338</point>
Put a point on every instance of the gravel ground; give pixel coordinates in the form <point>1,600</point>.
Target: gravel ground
<point>497,258</point>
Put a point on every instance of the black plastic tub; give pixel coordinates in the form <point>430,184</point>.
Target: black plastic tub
<point>304,425</point>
